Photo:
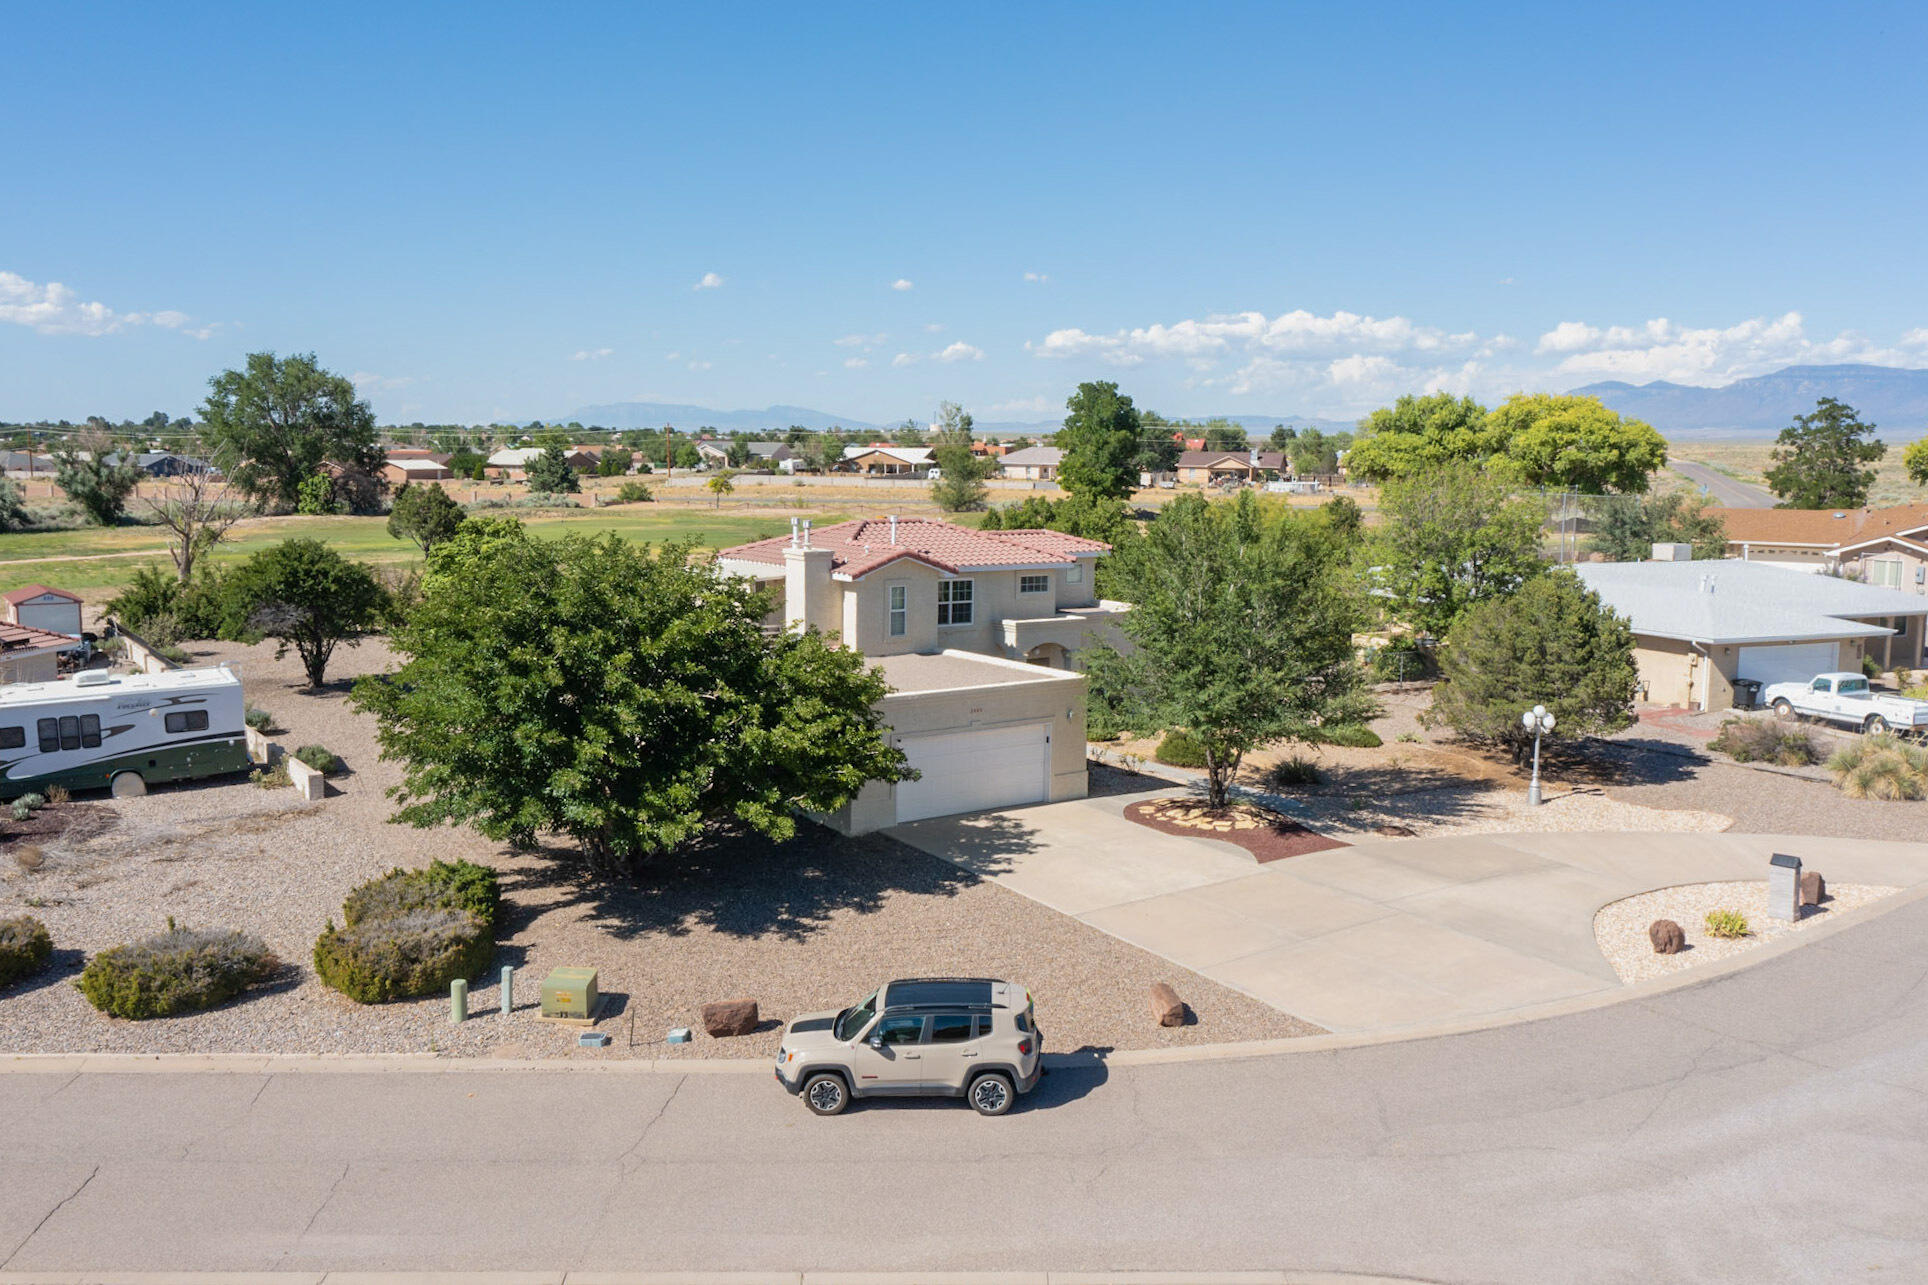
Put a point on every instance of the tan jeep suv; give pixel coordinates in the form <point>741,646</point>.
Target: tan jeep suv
<point>960,1037</point>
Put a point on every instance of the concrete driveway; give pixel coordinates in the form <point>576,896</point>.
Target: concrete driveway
<point>1382,936</point>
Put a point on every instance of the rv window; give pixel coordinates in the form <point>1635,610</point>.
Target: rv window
<point>90,731</point>
<point>69,732</point>
<point>13,738</point>
<point>192,720</point>
<point>49,732</point>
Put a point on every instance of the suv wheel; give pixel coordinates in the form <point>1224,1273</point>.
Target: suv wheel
<point>825,1094</point>
<point>992,1093</point>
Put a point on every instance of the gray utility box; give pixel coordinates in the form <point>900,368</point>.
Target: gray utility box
<point>1784,887</point>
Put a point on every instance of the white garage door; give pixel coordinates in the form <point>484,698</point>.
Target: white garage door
<point>1788,662</point>
<point>986,767</point>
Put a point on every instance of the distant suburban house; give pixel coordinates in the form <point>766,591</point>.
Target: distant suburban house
<point>398,471</point>
<point>416,453</point>
<point>1208,467</point>
<point>713,452</point>
<point>777,455</point>
<point>1700,626</point>
<point>164,463</point>
<point>980,636</point>
<point>26,464</point>
<point>887,461</point>
<point>1036,463</point>
<point>43,608</point>
<point>514,461</point>
<point>1886,547</point>
<point>30,655</point>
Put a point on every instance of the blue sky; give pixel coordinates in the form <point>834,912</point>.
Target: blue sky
<point>488,212</point>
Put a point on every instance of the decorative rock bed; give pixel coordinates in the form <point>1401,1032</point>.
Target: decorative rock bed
<point>1267,835</point>
<point>1621,927</point>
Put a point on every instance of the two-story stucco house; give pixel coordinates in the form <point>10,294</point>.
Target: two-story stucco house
<point>979,634</point>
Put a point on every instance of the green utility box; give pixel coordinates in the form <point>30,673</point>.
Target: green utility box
<point>569,995</point>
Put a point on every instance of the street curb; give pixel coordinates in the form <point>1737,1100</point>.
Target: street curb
<point>422,1063</point>
<point>702,1278</point>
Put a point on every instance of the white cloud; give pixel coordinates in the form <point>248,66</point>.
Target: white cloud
<point>1709,355</point>
<point>932,327</point>
<point>55,309</point>
<point>368,382</point>
<point>861,341</point>
<point>904,359</point>
<point>672,356</point>
<point>856,363</point>
<point>699,365</point>
<point>1023,406</point>
<point>709,281</point>
<point>1252,333</point>
<point>903,283</point>
<point>1039,277</point>
<point>1360,368</point>
<point>591,354</point>
<point>960,351</point>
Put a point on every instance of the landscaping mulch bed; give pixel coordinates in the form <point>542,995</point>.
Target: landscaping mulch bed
<point>1267,835</point>
<point>74,821</point>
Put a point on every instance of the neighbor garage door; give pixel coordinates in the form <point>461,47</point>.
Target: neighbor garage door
<point>987,767</point>
<point>1788,662</point>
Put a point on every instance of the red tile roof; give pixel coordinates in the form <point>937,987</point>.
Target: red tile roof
<point>35,590</point>
<point>27,638</point>
<point>1832,528</point>
<point>861,546</point>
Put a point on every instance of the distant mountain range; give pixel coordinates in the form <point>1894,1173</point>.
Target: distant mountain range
<point>1893,399</point>
<point>774,419</point>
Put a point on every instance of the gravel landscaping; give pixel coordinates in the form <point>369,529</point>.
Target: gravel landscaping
<point>1621,926</point>
<point>812,924</point>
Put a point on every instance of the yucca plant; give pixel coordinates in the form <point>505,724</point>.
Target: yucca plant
<point>1882,767</point>
<point>1726,923</point>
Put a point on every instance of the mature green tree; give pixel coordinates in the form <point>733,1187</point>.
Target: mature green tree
<point>737,453</point>
<point>550,473</point>
<point>1100,439</point>
<point>1160,443</point>
<point>13,514</point>
<point>1552,643</point>
<point>304,595</point>
<point>1281,438</point>
<point>1346,518</point>
<point>1417,433</point>
<point>615,462</point>
<point>666,710</point>
<point>1915,459</point>
<point>1820,459</point>
<point>279,419</point>
<point>95,476</point>
<point>426,514</point>
<point>1241,632</point>
<point>1080,515</point>
<point>720,485</point>
<point>1454,535</point>
<point>1314,454</point>
<point>1575,443</point>
<point>1626,527</point>
<point>1224,435</point>
<point>959,487</point>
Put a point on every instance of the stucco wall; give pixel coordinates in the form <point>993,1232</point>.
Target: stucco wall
<point>995,598</point>
<point>1058,700</point>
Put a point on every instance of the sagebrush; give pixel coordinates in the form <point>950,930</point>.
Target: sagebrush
<point>1882,767</point>
<point>411,932</point>
<point>320,758</point>
<point>25,947</point>
<point>1755,740</point>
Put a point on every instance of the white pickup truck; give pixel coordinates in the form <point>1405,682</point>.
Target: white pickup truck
<point>1847,698</point>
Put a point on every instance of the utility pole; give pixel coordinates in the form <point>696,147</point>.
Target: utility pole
<point>669,449</point>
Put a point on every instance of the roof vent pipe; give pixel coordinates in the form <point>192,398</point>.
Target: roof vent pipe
<point>893,528</point>
<point>793,532</point>
<point>806,533</point>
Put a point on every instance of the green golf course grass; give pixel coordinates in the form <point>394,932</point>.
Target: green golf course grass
<point>95,562</point>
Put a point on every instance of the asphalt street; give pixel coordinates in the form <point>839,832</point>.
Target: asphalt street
<point>1723,489</point>
<point>1767,1125</point>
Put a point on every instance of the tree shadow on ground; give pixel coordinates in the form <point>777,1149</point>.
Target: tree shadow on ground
<point>733,882</point>
<point>1629,761</point>
<point>1108,779</point>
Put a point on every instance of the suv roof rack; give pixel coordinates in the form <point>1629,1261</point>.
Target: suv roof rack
<point>939,992</point>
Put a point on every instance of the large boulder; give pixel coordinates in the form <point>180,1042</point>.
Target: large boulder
<point>1166,1007</point>
<point>1814,889</point>
<point>1667,937</point>
<point>730,1017</point>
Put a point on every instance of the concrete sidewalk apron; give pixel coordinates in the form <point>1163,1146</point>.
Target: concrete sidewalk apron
<point>1381,936</point>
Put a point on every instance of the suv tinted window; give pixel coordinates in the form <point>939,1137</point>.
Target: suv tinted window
<point>949,1028</point>
<point>901,1030</point>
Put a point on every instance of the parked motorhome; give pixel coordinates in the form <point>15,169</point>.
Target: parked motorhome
<point>124,732</point>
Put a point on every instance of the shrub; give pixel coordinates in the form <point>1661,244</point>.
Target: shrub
<point>29,857</point>
<point>25,947</point>
<point>1726,924</point>
<point>57,795</point>
<point>178,971</point>
<point>259,719</point>
<point>1408,738</point>
<point>1178,749</point>
<point>1870,667</point>
<point>1881,767</point>
<point>411,933</point>
<point>633,493</point>
<point>273,777</point>
<point>32,802</point>
<point>1294,771</point>
<point>1753,740</point>
<point>320,758</point>
<point>1351,735</point>
<point>1397,663</point>
<point>21,810</point>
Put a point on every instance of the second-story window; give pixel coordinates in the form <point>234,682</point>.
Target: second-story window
<point>953,602</point>
<point>1034,584</point>
<point>899,598</point>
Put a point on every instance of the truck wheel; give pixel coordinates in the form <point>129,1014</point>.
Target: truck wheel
<point>128,785</point>
<point>1875,725</point>
<point>825,1094</point>
<point>992,1093</point>
<point>1782,709</point>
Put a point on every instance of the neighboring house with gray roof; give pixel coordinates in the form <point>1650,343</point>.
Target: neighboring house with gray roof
<point>1037,463</point>
<point>1699,626</point>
